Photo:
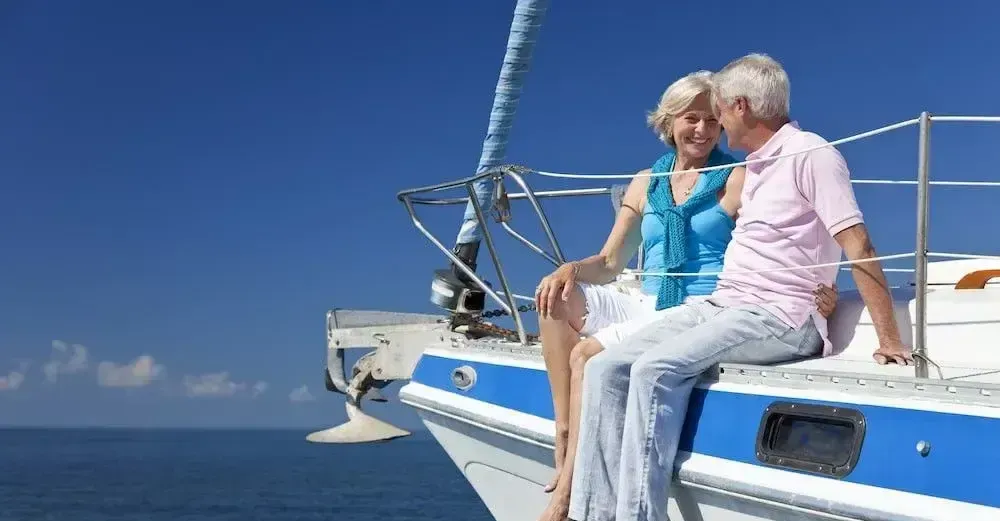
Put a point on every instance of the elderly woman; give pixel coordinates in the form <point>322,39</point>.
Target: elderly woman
<point>684,222</point>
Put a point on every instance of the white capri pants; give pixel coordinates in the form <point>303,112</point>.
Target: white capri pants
<point>615,312</point>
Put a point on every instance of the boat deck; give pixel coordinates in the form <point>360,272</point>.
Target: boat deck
<point>964,361</point>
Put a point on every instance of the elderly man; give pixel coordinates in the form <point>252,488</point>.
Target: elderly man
<point>797,211</point>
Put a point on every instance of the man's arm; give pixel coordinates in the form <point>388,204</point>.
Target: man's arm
<point>874,291</point>
<point>825,182</point>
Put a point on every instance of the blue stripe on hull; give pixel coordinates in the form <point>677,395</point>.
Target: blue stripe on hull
<point>963,448</point>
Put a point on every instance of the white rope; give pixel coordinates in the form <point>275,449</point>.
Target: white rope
<point>856,137</point>
<point>789,268</point>
<point>889,270</point>
<point>784,268</point>
<point>792,268</point>
<point>849,139</point>
<point>962,256</point>
<point>937,183</point>
<point>968,119</point>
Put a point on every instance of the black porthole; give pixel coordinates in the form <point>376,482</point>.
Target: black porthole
<point>818,439</point>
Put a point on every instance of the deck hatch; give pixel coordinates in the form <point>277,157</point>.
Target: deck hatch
<point>817,439</point>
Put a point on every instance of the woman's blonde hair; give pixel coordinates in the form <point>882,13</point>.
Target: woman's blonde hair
<point>678,96</point>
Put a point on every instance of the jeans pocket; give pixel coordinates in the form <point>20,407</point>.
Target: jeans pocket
<point>773,324</point>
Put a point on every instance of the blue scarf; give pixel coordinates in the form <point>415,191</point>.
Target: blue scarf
<point>674,218</point>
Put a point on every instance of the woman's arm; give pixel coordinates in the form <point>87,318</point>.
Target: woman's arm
<point>602,268</point>
<point>623,241</point>
<point>730,201</point>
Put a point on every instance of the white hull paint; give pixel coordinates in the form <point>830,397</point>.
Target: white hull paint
<point>506,456</point>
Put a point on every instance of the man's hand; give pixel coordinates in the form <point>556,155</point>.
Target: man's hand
<point>875,292</point>
<point>826,300</point>
<point>893,352</point>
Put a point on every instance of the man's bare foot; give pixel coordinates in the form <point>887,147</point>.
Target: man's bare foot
<point>558,508</point>
<point>559,455</point>
<point>555,480</point>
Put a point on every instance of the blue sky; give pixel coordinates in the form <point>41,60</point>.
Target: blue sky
<point>189,186</point>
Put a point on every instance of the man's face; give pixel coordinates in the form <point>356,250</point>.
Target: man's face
<point>732,121</point>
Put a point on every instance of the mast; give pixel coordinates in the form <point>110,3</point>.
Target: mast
<point>528,16</point>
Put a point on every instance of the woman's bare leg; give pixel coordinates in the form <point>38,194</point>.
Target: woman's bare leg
<point>558,508</point>
<point>560,332</point>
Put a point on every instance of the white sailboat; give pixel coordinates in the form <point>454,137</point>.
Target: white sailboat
<point>830,438</point>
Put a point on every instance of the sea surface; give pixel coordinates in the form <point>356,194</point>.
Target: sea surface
<point>192,475</point>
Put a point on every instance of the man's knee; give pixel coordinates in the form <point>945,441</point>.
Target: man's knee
<point>653,364</point>
<point>683,358</point>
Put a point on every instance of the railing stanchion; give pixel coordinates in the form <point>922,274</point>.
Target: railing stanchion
<point>451,256</point>
<point>923,210</point>
<point>488,239</point>
<point>541,216</point>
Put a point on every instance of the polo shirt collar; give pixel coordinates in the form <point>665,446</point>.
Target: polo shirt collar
<point>773,145</point>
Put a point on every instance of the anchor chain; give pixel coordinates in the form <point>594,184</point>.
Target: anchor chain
<point>509,334</point>
<point>478,328</point>
<point>524,308</point>
<point>484,329</point>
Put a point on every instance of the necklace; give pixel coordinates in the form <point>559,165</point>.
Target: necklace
<point>690,187</point>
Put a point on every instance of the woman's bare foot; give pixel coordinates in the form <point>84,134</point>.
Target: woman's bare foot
<point>562,436</point>
<point>558,508</point>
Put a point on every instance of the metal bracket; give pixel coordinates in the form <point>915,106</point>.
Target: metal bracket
<point>967,393</point>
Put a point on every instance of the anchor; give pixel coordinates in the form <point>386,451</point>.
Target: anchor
<point>398,340</point>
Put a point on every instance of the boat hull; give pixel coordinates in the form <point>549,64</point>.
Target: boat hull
<point>497,427</point>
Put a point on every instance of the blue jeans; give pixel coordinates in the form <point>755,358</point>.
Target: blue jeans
<point>635,398</point>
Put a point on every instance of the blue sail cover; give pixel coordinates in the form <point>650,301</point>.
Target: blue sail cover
<point>528,15</point>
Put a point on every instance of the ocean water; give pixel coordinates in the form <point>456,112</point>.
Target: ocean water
<point>191,475</point>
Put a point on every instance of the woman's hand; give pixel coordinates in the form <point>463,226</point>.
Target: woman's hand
<point>555,285</point>
<point>826,300</point>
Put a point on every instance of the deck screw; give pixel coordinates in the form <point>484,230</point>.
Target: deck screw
<point>923,448</point>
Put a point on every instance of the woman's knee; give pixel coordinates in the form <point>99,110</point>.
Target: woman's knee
<point>570,311</point>
<point>582,353</point>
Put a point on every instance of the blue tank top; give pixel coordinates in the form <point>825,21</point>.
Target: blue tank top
<point>708,234</point>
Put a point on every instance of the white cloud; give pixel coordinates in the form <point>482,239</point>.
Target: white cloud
<point>259,388</point>
<point>211,384</point>
<point>13,379</point>
<point>65,359</point>
<point>301,394</point>
<point>140,372</point>
<point>219,384</point>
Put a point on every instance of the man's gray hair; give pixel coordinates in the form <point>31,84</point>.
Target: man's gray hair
<point>758,78</point>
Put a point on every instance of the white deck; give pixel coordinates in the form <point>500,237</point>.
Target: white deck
<point>962,329</point>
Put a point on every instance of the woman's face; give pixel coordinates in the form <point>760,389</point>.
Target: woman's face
<point>696,130</point>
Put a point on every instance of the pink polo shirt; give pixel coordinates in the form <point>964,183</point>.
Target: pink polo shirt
<point>791,209</point>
